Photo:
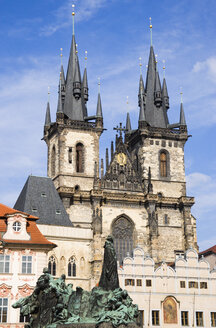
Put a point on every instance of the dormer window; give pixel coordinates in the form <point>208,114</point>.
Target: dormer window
<point>17,226</point>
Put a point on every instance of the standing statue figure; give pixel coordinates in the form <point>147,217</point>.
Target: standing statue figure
<point>109,276</point>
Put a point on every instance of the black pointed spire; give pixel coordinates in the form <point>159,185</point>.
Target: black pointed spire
<point>155,114</point>
<point>74,102</point>
<point>85,85</point>
<point>48,116</point>
<point>182,120</point>
<point>128,123</point>
<point>157,93</point>
<point>142,117</point>
<point>99,107</point>
<point>77,82</point>
<point>141,90</point>
<point>59,107</point>
<point>165,96</point>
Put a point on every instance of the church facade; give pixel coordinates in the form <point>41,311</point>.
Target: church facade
<point>138,194</point>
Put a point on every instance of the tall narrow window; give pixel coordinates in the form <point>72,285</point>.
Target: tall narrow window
<point>72,267</point>
<point>70,155</point>
<point>79,157</point>
<point>122,231</point>
<point>3,309</point>
<point>4,263</point>
<point>155,318</point>
<point>26,264</point>
<point>199,319</point>
<point>52,265</point>
<point>53,158</point>
<point>184,318</point>
<point>213,319</point>
<point>163,164</point>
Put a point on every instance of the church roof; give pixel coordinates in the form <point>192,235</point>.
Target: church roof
<point>211,250</point>
<point>39,196</point>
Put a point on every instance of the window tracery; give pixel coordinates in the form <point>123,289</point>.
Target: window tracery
<point>72,267</point>
<point>122,231</point>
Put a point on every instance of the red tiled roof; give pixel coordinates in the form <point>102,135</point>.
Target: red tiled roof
<point>4,210</point>
<point>36,236</point>
<point>209,250</point>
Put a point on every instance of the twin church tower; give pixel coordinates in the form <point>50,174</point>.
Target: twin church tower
<point>139,194</point>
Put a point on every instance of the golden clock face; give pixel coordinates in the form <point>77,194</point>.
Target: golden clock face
<point>121,158</point>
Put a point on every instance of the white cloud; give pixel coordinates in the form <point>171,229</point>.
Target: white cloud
<point>62,16</point>
<point>208,67</point>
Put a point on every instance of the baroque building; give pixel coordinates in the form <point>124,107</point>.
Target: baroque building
<point>138,195</point>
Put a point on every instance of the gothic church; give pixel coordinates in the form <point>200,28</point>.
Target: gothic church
<point>138,195</point>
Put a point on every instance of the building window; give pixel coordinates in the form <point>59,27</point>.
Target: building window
<point>24,318</point>
<point>3,309</point>
<point>163,164</point>
<point>53,158</point>
<point>122,232</point>
<point>141,318</point>
<point>70,155</point>
<point>129,282</point>
<point>199,319</point>
<point>79,157</point>
<point>182,284</point>
<point>26,264</point>
<point>4,263</point>
<point>203,285</point>
<point>166,220</point>
<point>193,284</point>
<point>139,282</point>
<point>72,267</point>
<point>52,265</point>
<point>16,226</point>
<point>184,318</point>
<point>155,318</point>
<point>148,282</point>
<point>213,319</point>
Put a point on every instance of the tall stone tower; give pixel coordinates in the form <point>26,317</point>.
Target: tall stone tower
<point>73,139</point>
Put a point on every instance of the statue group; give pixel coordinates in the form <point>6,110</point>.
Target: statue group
<point>53,303</point>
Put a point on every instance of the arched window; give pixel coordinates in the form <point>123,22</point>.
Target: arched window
<point>72,267</point>
<point>163,164</point>
<point>53,158</point>
<point>52,265</point>
<point>122,231</point>
<point>79,157</point>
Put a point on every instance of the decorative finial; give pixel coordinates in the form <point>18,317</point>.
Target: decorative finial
<point>164,68</point>
<point>140,64</point>
<point>98,84</point>
<point>76,48</point>
<point>127,102</point>
<point>61,55</point>
<point>181,93</point>
<point>48,93</point>
<point>86,52</point>
<point>156,56</point>
<point>150,29</point>
<point>73,14</point>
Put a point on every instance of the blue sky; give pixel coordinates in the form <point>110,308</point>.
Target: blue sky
<point>115,33</point>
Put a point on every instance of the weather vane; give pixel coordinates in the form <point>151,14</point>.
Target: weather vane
<point>150,29</point>
<point>99,84</point>
<point>61,55</point>
<point>86,52</point>
<point>140,64</point>
<point>73,14</point>
<point>164,68</point>
<point>181,93</point>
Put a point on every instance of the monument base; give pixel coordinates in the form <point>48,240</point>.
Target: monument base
<point>92,325</point>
